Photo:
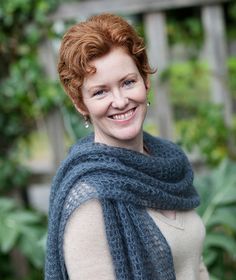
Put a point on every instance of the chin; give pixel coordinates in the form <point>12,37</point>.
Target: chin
<point>128,134</point>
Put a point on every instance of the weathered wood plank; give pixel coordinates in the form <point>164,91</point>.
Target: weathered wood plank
<point>216,55</point>
<point>155,25</point>
<point>56,134</point>
<point>54,121</point>
<point>87,8</point>
<point>48,59</point>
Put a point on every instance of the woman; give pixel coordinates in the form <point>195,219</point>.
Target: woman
<point>121,205</point>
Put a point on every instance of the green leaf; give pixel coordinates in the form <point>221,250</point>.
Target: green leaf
<point>229,195</point>
<point>25,217</point>
<point>31,245</point>
<point>217,189</point>
<point>212,277</point>
<point>6,205</point>
<point>8,237</point>
<point>221,242</point>
<point>209,257</point>
<point>223,217</point>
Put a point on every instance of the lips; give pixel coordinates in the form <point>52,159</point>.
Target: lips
<point>123,116</point>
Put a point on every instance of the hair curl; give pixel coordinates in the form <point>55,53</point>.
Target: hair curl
<point>92,39</point>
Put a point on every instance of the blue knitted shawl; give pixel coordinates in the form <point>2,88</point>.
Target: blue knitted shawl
<point>126,183</point>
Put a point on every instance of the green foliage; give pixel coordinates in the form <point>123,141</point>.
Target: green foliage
<point>232,76</point>
<point>26,94</point>
<point>231,19</point>
<point>189,86</point>
<point>8,168</point>
<point>184,26</point>
<point>207,133</point>
<point>200,124</point>
<point>23,229</point>
<point>218,211</point>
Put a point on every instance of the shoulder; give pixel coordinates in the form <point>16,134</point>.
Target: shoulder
<point>85,245</point>
<point>87,216</point>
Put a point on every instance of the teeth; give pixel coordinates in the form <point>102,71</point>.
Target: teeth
<point>123,116</point>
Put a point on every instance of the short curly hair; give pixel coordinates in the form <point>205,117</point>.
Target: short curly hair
<point>93,39</point>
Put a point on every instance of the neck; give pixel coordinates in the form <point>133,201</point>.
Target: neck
<point>132,144</point>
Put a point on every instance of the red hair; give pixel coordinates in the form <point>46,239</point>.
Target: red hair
<point>92,39</point>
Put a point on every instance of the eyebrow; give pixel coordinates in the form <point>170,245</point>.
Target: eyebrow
<point>127,76</point>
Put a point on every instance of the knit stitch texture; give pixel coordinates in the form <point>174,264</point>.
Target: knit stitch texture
<point>126,182</point>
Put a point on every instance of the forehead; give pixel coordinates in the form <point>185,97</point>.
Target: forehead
<point>112,66</point>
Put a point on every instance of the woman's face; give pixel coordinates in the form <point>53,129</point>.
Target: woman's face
<point>115,97</point>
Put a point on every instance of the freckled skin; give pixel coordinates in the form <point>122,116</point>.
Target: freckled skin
<point>115,97</point>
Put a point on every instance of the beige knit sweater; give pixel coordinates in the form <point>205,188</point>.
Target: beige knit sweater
<point>86,250</point>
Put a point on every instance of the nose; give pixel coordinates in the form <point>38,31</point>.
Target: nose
<point>119,100</point>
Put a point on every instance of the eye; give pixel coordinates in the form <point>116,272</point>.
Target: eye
<point>129,82</point>
<point>99,92</point>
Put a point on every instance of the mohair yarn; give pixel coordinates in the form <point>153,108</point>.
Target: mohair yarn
<point>126,183</point>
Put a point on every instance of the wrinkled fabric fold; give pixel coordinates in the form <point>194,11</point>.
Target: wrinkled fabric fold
<point>126,182</point>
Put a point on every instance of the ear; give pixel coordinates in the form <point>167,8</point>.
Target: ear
<point>147,84</point>
<point>81,109</point>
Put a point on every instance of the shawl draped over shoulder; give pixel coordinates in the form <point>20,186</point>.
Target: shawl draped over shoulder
<point>126,183</point>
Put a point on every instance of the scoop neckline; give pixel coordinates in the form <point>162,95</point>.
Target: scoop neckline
<point>178,222</point>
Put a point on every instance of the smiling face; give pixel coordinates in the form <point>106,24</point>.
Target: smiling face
<point>115,97</point>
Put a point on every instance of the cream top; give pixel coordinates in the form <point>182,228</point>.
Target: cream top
<point>87,254</point>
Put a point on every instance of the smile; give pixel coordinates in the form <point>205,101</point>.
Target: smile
<point>124,116</point>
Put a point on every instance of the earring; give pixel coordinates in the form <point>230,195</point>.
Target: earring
<point>86,122</point>
<point>148,103</point>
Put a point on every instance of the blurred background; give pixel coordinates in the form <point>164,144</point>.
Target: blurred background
<point>193,102</point>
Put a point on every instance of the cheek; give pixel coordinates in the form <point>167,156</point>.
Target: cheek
<point>142,96</point>
<point>97,109</point>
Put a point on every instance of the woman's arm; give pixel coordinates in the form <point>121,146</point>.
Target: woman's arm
<point>86,249</point>
<point>203,271</point>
